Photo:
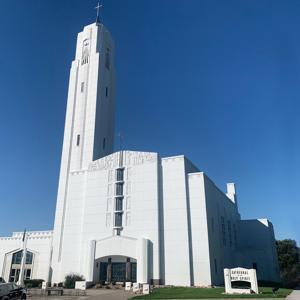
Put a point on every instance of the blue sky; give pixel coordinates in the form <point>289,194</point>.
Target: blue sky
<point>217,81</point>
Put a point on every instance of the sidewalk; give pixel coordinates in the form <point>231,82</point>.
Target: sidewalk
<point>295,295</point>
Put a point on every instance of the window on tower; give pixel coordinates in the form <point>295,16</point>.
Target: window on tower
<point>85,57</point>
<point>103,143</point>
<point>85,52</point>
<point>82,87</point>
<point>119,174</point>
<point>118,219</point>
<point>106,92</point>
<point>107,59</point>
<point>119,189</point>
<point>119,203</point>
<point>78,140</point>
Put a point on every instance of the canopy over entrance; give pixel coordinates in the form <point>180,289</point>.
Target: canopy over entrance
<point>118,259</point>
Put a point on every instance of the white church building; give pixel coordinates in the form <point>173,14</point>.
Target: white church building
<point>132,216</point>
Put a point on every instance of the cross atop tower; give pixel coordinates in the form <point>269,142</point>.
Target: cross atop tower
<point>98,7</point>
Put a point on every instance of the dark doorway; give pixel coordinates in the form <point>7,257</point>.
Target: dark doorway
<point>103,271</point>
<point>133,272</point>
<point>118,272</point>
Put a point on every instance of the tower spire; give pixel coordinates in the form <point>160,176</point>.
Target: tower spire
<point>98,7</point>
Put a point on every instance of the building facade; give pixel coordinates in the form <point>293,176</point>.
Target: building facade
<point>133,216</point>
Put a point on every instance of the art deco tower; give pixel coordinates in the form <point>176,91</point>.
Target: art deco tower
<point>89,124</point>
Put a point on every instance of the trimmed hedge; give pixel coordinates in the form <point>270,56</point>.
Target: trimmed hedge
<point>33,283</point>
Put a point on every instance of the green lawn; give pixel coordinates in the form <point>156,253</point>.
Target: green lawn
<point>200,293</point>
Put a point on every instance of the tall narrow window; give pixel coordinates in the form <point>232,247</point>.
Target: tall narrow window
<point>216,267</point>
<point>229,233</point>
<point>119,174</point>
<point>223,230</point>
<point>119,204</point>
<point>106,92</point>
<point>78,140</point>
<point>85,52</point>
<point>103,143</point>
<point>82,87</point>
<point>234,235</point>
<point>107,59</point>
<point>118,219</point>
<point>119,189</point>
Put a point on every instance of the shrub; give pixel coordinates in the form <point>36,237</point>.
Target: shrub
<point>33,283</point>
<point>70,280</point>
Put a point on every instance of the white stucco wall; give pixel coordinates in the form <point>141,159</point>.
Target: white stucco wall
<point>176,240</point>
<point>199,232</point>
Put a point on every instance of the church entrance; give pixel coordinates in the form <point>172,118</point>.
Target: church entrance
<point>117,269</point>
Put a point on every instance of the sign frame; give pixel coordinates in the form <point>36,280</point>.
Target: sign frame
<point>240,274</point>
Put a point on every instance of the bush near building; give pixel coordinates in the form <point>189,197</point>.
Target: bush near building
<point>70,280</point>
<point>33,283</point>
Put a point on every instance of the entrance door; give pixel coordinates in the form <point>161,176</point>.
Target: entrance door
<point>118,272</point>
<point>14,275</point>
<point>103,271</point>
<point>133,272</point>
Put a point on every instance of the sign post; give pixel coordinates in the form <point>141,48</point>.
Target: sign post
<point>23,261</point>
<point>240,274</point>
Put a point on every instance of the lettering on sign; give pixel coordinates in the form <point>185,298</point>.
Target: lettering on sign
<point>240,274</point>
<point>130,158</point>
<point>136,287</point>
<point>146,289</point>
<point>80,285</point>
<point>127,286</point>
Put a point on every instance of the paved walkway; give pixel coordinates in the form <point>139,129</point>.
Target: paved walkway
<point>92,294</point>
<point>108,294</point>
<point>295,295</point>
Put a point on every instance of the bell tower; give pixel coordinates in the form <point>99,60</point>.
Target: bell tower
<point>90,115</point>
<point>89,123</point>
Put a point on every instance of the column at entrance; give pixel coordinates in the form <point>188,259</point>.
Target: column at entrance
<point>109,271</point>
<point>128,269</point>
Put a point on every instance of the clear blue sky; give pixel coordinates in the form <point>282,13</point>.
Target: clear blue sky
<point>218,81</point>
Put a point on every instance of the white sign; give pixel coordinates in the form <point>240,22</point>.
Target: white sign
<point>136,287</point>
<point>146,289</point>
<point>127,286</point>
<point>44,285</point>
<point>240,274</point>
<point>80,285</point>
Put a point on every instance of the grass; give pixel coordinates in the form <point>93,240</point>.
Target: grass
<point>204,293</point>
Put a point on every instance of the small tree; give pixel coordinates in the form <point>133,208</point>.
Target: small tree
<point>70,280</point>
